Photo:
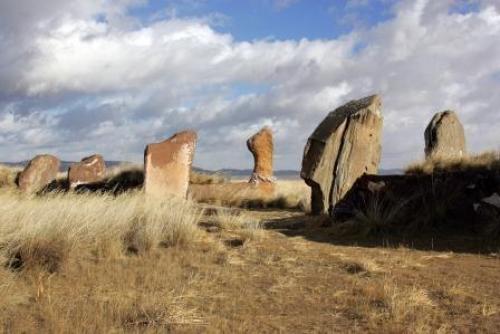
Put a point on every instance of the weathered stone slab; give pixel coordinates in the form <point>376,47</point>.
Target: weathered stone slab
<point>344,146</point>
<point>38,173</point>
<point>167,165</point>
<point>90,170</point>
<point>445,137</point>
<point>261,146</point>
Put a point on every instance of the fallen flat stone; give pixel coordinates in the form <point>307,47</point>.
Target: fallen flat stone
<point>89,170</point>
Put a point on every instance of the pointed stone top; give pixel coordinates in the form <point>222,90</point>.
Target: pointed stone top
<point>186,135</point>
<point>371,104</point>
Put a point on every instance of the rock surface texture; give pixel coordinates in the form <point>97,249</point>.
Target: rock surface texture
<point>167,165</point>
<point>38,173</point>
<point>89,170</point>
<point>445,137</point>
<point>261,146</point>
<point>344,146</point>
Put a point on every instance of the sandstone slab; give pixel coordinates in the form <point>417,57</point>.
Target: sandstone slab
<point>38,173</point>
<point>90,170</point>
<point>344,146</point>
<point>261,146</point>
<point>167,165</point>
<point>445,137</point>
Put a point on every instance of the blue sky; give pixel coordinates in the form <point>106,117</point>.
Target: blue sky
<point>109,77</point>
<point>285,19</point>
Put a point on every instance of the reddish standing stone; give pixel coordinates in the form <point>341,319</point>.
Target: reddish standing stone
<point>167,165</point>
<point>261,146</point>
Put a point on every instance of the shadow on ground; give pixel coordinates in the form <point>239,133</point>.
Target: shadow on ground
<point>321,229</point>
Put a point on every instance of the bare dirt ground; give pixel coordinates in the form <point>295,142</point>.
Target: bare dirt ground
<point>296,279</point>
<point>117,268</point>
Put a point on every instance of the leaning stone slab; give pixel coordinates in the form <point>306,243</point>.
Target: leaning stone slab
<point>90,170</point>
<point>445,137</point>
<point>167,165</point>
<point>344,146</point>
<point>261,146</point>
<point>38,173</point>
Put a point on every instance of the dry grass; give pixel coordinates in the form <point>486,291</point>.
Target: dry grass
<point>117,264</point>
<point>207,178</point>
<point>8,176</point>
<point>293,195</point>
<point>45,231</point>
<point>483,161</point>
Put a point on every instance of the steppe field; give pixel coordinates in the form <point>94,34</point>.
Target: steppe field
<point>103,263</point>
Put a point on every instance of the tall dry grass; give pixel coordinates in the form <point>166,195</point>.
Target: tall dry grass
<point>8,176</point>
<point>474,162</point>
<point>294,195</point>
<point>45,231</point>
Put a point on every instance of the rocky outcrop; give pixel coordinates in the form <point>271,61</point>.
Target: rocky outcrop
<point>167,165</point>
<point>261,146</point>
<point>445,137</point>
<point>344,146</point>
<point>90,170</point>
<point>38,173</point>
<point>417,203</point>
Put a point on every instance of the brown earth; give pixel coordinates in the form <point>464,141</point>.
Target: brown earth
<point>302,279</point>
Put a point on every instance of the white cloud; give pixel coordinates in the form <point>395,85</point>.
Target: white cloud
<point>73,83</point>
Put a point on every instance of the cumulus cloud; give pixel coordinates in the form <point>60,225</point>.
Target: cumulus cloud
<point>84,78</point>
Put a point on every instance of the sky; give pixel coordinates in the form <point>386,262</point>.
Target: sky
<point>109,77</point>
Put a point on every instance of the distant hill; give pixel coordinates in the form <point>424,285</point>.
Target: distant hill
<point>285,174</point>
<point>64,164</point>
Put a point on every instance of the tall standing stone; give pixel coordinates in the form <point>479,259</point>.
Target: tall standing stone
<point>89,170</point>
<point>38,173</point>
<point>261,146</point>
<point>167,165</point>
<point>445,137</point>
<point>344,146</point>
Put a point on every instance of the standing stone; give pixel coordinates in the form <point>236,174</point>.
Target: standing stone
<point>167,165</point>
<point>39,172</point>
<point>344,146</point>
<point>445,137</point>
<point>261,146</point>
<point>89,170</point>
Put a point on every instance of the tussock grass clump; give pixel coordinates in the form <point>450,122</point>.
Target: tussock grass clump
<point>8,176</point>
<point>286,195</point>
<point>45,231</point>
<point>245,225</point>
<point>478,162</point>
<point>208,178</point>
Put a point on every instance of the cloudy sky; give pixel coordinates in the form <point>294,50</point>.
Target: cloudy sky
<point>78,77</point>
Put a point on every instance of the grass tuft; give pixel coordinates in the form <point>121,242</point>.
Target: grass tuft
<point>44,231</point>
<point>473,163</point>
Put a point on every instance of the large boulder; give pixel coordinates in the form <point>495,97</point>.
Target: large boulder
<point>445,137</point>
<point>261,146</point>
<point>38,173</point>
<point>167,165</point>
<point>344,146</point>
<point>89,170</point>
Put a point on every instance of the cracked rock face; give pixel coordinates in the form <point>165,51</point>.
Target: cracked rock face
<point>445,137</point>
<point>261,146</point>
<point>344,146</point>
<point>167,165</point>
<point>38,173</point>
<point>89,170</point>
